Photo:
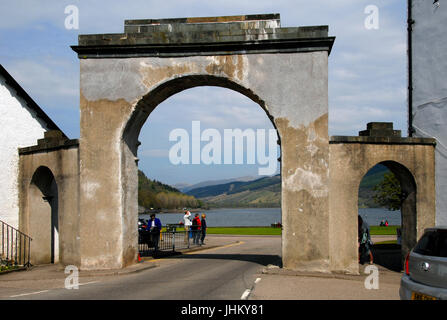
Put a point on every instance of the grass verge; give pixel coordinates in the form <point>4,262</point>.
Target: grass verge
<point>4,268</point>
<point>253,231</point>
<point>383,231</point>
<point>261,231</point>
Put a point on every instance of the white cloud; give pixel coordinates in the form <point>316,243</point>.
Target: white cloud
<point>46,80</point>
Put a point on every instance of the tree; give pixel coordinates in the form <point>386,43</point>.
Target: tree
<point>388,192</point>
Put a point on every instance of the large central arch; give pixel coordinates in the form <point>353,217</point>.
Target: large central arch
<point>142,110</point>
<point>124,77</point>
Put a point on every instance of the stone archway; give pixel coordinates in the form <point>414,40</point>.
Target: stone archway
<point>410,159</point>
<point>408,215</point>
<point>129,165</point>
<point>285,71</point>
<point>43,204</point>
<point>409,204</point>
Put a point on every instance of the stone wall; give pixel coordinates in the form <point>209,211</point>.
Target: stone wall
<point>54,157</point>
<point>410,159</point>
<point>125,76</point>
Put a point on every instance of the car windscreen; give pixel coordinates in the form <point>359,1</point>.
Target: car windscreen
<point>432,243</point>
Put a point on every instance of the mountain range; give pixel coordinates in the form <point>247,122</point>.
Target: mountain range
<point>266,191</point>
<point>185,187</point>
<point>262,192</point>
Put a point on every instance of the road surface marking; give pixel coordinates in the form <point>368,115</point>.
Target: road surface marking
<point>200,251</point>
<point>27,294</point>
<point>83,284</point>
<point>245,294</point>
<point>37,292</point>
<point>217,248</point>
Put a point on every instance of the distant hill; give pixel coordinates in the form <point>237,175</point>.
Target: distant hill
<point>181,186</point>
<point>371,179</point>
<point>266,191</point>
<point>184,187</point>
<point>263,192</point>
<point>157,195</point>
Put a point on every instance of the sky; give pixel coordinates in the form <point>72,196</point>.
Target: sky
<point>367,69</point>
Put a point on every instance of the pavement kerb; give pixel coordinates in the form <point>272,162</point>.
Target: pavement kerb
<point>139,267</point>
<point>146,264</point>
<point>275,270</point>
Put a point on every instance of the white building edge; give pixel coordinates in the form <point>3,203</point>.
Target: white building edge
<point>428,85</point>
<point>22,122</point>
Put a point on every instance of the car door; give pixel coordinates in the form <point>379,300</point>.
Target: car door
<point>428,260</point>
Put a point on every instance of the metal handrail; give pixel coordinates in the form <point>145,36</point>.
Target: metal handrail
<point>15,246</point>
<point>168,241</point>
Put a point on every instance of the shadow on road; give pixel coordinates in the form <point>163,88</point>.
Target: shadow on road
<point>262,259</point>
<point>388,256</point>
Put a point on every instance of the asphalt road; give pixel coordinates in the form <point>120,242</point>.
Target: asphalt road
<point>227,272</point>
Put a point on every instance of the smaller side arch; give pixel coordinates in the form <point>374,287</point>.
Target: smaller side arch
<point>408,211</point>
<point>409,204</point>
<point>43,216</point>
<point>413,165</point>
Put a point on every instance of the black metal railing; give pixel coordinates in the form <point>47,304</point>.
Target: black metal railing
<point>169,240</point>
<point>15,246</point>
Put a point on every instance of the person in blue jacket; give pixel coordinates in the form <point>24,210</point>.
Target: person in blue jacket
<point>154,226</point>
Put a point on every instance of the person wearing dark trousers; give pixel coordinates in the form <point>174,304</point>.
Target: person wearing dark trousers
<point>203,229</point>
<point>196,224</point>
<point>154,226</point>
<point>364,242</point>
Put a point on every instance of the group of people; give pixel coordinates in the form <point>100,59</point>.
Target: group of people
<point>384,223</point>
<point>195,227</point>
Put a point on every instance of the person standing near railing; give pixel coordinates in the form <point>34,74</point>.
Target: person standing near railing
<point>196,224</point>
<point>187,224</point>
<point>154,226</point>
<point>203,221</point>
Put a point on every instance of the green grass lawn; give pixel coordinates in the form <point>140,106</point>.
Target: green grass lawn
<point>386,242</point>
<point>260,231</point>
<point>257,231</point>
<point>383,231</point>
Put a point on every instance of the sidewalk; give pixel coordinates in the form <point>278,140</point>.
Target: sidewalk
<point>280,284</point>
<point>53,276</point>
<point>286,285</point>
<point>275,283</point>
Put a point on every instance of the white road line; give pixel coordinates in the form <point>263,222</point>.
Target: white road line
<point>27,294</point>
<point>245,294</point>
<point>248,291</point>
<point>83,284</point>
<point>37,292</point>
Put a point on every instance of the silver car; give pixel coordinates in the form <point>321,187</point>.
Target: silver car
<point>425,276</point>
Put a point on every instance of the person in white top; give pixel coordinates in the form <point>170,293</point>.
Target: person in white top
<point>188,223</point>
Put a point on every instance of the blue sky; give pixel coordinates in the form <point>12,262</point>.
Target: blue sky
<point>367,69</point>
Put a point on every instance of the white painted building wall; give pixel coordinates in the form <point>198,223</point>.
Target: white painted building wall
<point>429,53</point>
<point>19,127</point>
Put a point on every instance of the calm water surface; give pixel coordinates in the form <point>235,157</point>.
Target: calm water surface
<point>266,216</point>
